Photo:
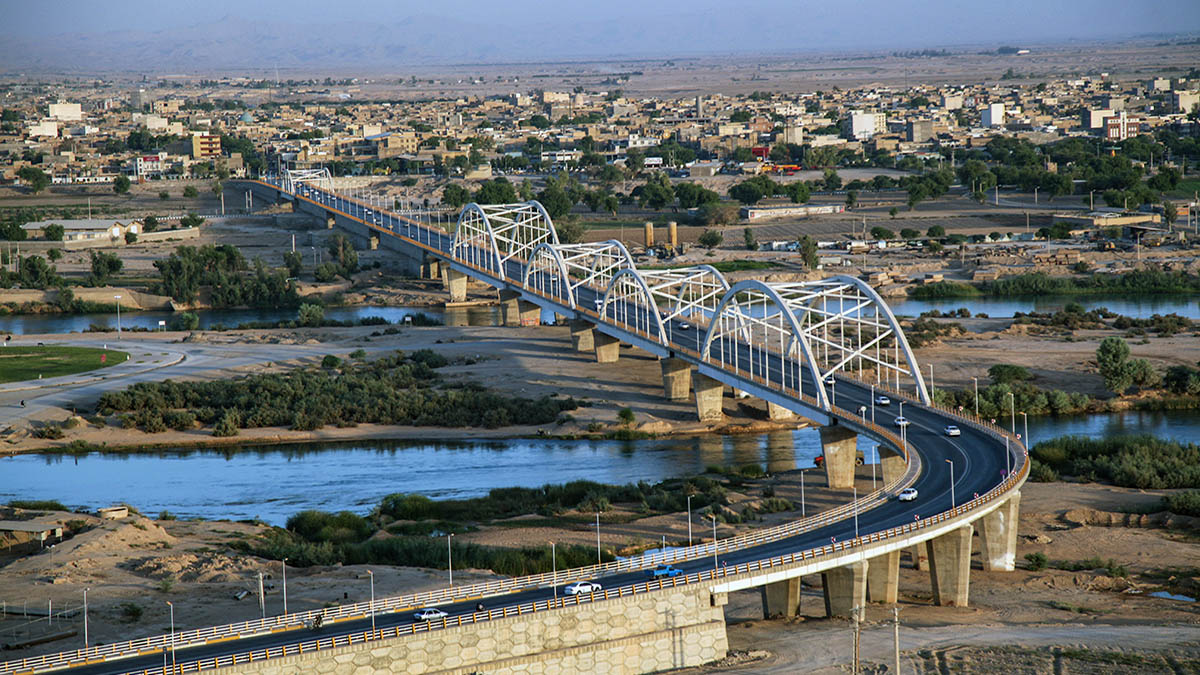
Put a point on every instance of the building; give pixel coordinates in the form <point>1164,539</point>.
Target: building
<point>1094,119</point>
<point>44,128</point>
<point>1184,101</point>
<point>1121,126</point>
<point>67,112</point>
<point>952,101</point>
<point>150,165</point>
<point>919,131</point>
<point>205,145</point>
<point>1159,84</point>
<point>138,99</point>
<point>793,132</point>
<point>84,229</point>
<point>861,125</point>
<point>993,115</point>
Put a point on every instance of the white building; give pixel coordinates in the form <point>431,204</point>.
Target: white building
<point>993,115</point>
<point>47,128</point>
<point>863,125</point>
<point>67,112</point>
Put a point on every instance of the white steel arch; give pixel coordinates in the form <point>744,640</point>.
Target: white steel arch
<point>629,303</point>
<point>687,292</point>
<point>558,270</point>
<point>320,178</point>
<point>489,235</point>
<point>756,331</point>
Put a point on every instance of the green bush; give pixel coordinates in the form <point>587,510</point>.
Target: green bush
<point>37,505</point>
<point>227,425</point>
<point>1037,561</point>
<point>1140,461</point>
<point>1183,503</point>
<point>185,321</point>
<point>1005,373</point>
<point>330,361</point>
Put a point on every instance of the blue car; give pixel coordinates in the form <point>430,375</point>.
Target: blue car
<point>667,571</point>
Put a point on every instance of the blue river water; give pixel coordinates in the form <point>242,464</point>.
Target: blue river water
<point>274,482</point>
<point>27,324</point>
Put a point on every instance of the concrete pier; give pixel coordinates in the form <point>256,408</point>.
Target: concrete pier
<point>781,598</point>
<point>840,447</point>
<point>607,347</point>
<point>998,536</point>
<point>845,588</point>
<point>883,578</point>
<point>710,398</point>
<point>950,567</point>
<point>456,283</point>
<point>677,379</point>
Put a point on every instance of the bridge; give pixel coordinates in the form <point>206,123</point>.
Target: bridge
<point>824,350</point>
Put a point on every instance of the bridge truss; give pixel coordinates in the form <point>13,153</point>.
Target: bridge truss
<point>320,178</point>
<point>490,235</point>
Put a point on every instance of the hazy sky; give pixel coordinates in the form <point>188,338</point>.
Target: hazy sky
<point>564,28</point>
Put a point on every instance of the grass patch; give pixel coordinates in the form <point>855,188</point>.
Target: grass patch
<point>38,505</point>
<point>27,363</point>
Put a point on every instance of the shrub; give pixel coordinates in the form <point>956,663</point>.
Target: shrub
<point>227,425</point>
<point>330,361</point>
<point>1037,561</point>
<point>131,612</point>
<point>191,192</point>
<point>1183,503</point>
<point>37,505</point>
<point>185,321</point>
<point>1006,373</point>
<point>310,315</point>
<point>625,416</point>
<point>179,420</point>
<point>710,239</point>
<point>359,354</point>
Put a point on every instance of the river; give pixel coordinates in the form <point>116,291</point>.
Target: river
<point>274,482</point>
<point>28,324</point>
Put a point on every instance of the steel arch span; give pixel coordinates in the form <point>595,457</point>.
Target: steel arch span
<point>559,270</point>
<point>293,178</point>
<point>802,334</point>
<point>489,235</point>
<point>648,300</point>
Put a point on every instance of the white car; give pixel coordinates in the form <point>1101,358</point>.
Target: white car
<point>882,400</point>
<point>952,430</point>
<point>829,380</point>
<point>901,421</point>
<point>908,495</point>
<point>582,587</point>
<point>429,614</point>
<point>683,325</point>
<point>599,304</point>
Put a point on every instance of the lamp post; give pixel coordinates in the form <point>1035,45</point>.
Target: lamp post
<point>714,519</point>
<point>872,404</point>
<point>1025,419</point>
<point>118,299</point>
<point>1012,407</point>
<point>976,396</point>
<point>371,576</point>
<point>598,536</point>
<point>932,389</point>
<point>802,509</point>
<point>554,570</point>
<point>856,512</point>
<point>689,511</point>
<point>85,619</point>
<point>172,606</point>
<point>450,558</point>
<point>953,502</point>
<point>283,564</point>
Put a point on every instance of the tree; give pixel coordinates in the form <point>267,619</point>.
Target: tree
<point>53,232</point>
<point>191,220</point>
<point>217,187</point>
<point>748,238</point>
<point>294,262</point>
<point>909,233</point>
<point>1006,373</point>
<point>880,232</point>
<point>54,254</point>
<point>1170,213</point>
<point>657,192</point>
<point>131,237</point>
<point>186,321</point>
<point>455,195</point>
<point>832,180</point>
<point>1112,357</point>
<point>341,249</point>
<point>570,231</point>
<point>746,192</point>
<point>149,224</point>
<point>711,239</point>
<point>718,213</point>
<point>851,199</point>
<point>798,192</point>
<point>936,232</point>
<point>104,265</point>
<point>892,212</point>
<point>808,251</point>
<point>164,195</point>
<point>496,191</point>
<point>691,195</point>
<point>310,315</point>
<point>190,192</point>
<point>35,178</point>
<point>556,201</point>
<point>121,185</point>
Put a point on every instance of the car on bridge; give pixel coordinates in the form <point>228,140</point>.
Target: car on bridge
<point>429,614</point>
<point>952,430</point>
<point>683,325</point>
<point>582,587</point>
<point>882,400</point>
<point>829,380</point>
<point>667,571</point>
<point>907,495</point>
<point>902,421</point>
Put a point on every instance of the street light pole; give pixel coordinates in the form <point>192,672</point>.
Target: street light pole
<point>554,572</point>
<point>450,558</point>
<point>714,519</point>
<point>283,564</point>
<point>976,396</point>
<point>1012,407</point>
<point>85,619</point>
<point>598,537</point>
<point>1025,419</point>
<point>872,404</point>
<point>802,509</point>
<point>118,299</point>
<point>689,511</point>
<point>172,606</point>
<point>856,512</point>
<point>371,575</point>
<point>953,501</point>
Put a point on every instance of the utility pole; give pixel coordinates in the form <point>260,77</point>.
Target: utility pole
<point>857,635</point>
<point>896,637</point>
